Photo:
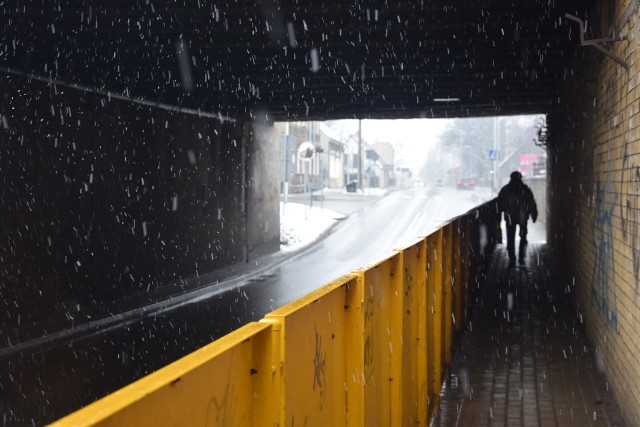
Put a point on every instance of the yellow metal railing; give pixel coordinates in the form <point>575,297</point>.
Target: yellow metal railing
<point>369,349</point>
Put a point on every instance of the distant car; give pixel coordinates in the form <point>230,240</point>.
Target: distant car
<point>418,183</point>
<point>465,184</point>
<point>352,186</point>
<point>439,182</point>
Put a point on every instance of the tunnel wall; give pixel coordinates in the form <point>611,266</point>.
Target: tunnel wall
<point>594,195</point>
<point>263,187</point>
<point>106,200</point>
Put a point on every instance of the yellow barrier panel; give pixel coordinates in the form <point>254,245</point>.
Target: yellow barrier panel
<point>414,335</point>
<point>321,361</point>
<point>368,349</point>
<point>383,302</point>
<point>228,382</point>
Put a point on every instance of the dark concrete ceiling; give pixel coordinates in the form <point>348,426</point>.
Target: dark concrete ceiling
<point>303,58</point>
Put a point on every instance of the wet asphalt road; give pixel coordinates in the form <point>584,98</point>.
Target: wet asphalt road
<point>42,383</point>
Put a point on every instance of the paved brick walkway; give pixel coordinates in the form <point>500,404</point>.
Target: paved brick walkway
<point>526,360</point>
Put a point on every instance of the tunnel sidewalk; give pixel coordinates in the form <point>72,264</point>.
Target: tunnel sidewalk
<point>525,359</point>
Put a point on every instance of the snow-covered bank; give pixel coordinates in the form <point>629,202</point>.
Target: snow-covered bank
<point>301,225</point>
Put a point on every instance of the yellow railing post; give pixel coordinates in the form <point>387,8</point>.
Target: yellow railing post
<point>448,292</point>
<point>268,402</point>
<point>457,276</point>
<point>397,334</point>
<point>468,268</point>
<point>354,306</point>
<point>383,289</point>
<point>318,335</point>
<point>422,340</point>
<point>464,272</point>
<point>414,335</point>
<point>435,315</point>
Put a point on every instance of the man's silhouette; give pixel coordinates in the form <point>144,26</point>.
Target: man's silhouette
<point>516,201</point>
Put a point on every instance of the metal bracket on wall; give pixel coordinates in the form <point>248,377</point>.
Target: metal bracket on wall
<point>598,43</point>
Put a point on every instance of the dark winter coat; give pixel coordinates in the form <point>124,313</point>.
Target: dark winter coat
<point>516,201</point>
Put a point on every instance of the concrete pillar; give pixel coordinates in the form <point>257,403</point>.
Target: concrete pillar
<point>263,195</point>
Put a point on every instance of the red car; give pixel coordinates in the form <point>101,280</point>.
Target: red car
<point>465,184</point>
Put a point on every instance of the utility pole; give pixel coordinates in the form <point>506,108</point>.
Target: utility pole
<point>285,167</point>
<point>462,172</point>
<point>496,162</point>
<point>306,153</point>
<point>360,154</point>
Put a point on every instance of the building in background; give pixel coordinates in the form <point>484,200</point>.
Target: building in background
<point>324,169</point>
<point>377,164</point>
<point>351,159</point>
<point>403,177</point>
<point>331,157</point>
<point>386,160</point>
<point>336,160</point>
<point>290,136</point>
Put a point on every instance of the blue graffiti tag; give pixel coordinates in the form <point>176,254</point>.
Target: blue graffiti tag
<point>604,267</point>
<point>630,189</point>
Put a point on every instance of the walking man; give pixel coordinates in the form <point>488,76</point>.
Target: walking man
<point>516,201</point>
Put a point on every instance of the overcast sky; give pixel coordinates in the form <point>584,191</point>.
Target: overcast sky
<point>412,138</point>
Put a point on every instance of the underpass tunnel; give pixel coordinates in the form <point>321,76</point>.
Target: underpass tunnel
<point>134,159</point>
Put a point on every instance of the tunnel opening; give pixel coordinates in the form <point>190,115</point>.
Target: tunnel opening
<point>473,157</point>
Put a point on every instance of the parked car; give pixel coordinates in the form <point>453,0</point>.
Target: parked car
<point>465,184</point>
<point>352,186</point>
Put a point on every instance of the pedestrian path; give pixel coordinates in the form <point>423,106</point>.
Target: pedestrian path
<point>525,359</point>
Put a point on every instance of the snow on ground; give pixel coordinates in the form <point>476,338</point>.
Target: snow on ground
<point>301,224</point>
<point>369,191</point>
